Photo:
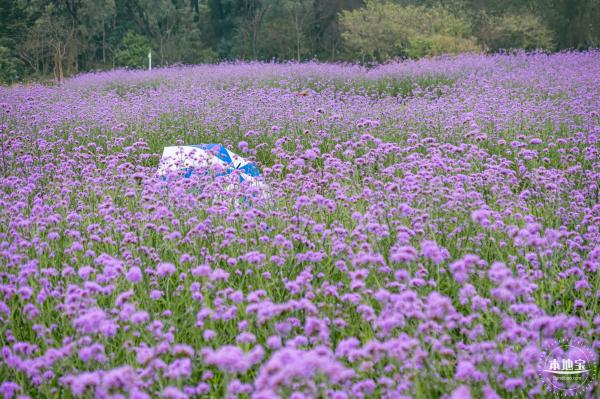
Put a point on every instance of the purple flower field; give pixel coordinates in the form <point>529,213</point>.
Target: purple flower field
<point>430,229</point>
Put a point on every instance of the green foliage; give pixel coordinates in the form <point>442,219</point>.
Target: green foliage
<point>445,44</point>
<point>383,30</point>
<point>195,52</point>
<point>187,45</point>
<point>574,24</point>
<point>376,31</point>
<point>41,38</point>
<point>282,31</point>
<point>10,65</point>
<point>512,31</point>
<point>133,52</point>
<point>13,25</point>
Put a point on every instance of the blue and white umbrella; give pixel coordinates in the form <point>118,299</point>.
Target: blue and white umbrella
<point>201,158</point>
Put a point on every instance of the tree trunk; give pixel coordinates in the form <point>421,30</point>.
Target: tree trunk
<point>297,37</point>
<point>60,65</point>
<point>57,68</point>
<point>162,57</point>
<point>244,38</point>
<point>60,51</point>
<point>254,44</point>
<point>103,44</point>
<point>256,22</point>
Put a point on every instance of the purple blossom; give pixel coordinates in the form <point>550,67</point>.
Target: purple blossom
<point>134,274</point>
<point>433,252</point>
<point>403,253</point>
<point>462,392</point>
<point>232,359</point>
<point>165,269</point>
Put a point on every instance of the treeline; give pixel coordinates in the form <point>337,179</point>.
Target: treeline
<point>41,38</point>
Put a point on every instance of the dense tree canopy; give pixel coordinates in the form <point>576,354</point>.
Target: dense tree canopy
<point>383,30</point>
<point>62,37</point>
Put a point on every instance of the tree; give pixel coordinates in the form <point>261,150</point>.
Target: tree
<point>94,19</point>
<point>324,30</point>
<point>251,21</point>
<point>10,65</point>
<point>14,23</point>
<point>299,12</point>
<point>187,43</point>
<point>133,51</point>
<point>382,30</point>
<point>374,31</point>
<point>282,34</point>
<point>54,35</point>
<point>510,31</point>
<point>62,37</point>
<point>575,22</point>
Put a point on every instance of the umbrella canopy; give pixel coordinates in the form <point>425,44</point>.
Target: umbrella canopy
<point>194,158</point>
